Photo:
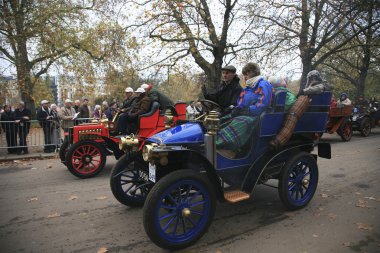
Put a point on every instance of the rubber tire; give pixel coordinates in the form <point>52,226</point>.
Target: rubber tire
<point>117,189</point>
<point>155,194</point>
<point>365,127</point>
<point>71,150</point>
<point>283,180</point>
<point>63,150</point>
<point>341,130</point>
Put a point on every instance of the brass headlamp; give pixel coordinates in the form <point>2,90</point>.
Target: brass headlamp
<point>211,123</point>
<point>147,151</point>
<point>168,118</point>
<point>128,141</point>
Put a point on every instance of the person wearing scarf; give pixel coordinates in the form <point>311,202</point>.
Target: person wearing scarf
<point>237,127</point>
<point>45,117</point>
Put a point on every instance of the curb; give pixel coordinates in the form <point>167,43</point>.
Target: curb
<point>28,156</point>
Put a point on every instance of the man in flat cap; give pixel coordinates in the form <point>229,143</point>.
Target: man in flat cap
<point>228,92</point>
<point>45,116</point>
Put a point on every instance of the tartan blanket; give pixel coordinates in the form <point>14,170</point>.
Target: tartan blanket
<point>235,132</point>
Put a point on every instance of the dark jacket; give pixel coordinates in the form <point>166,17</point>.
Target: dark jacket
<point>23,122</point>
<point>161,98</point>
<point>8,116</point>
<point>127,103</point>
<point>141,106</point>
<point>45,117</point>
<point>84,112</point>
<point>225,94</point>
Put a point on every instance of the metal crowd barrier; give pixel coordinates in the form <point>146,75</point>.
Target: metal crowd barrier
<point>15,137</point>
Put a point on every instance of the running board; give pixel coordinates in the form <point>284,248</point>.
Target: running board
<point>235,196</point>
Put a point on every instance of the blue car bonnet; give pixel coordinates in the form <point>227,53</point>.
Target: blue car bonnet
<point>189,133</point>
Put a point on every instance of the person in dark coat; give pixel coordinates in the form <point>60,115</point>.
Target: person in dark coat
<point>141,106</point>
<point>22,117</point>
<point>129,100</point>
<point>227,93</point>
<point>45,118</point>
<point>157,96</point>
<point>10,129</point>
<point>84,111</point>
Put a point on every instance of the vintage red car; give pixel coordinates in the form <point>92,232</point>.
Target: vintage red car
<point>87,145</point>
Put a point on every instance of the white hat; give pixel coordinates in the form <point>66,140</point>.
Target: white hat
<point>128,89</point>
<point>68,100</point>
<point>144,86</point>
<point>44,102</point>
<point>140,90</point>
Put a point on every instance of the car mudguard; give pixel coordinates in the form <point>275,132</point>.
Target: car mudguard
<point>114,146</point>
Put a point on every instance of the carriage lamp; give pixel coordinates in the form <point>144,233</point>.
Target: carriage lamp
<point>128,141</point>
<point>168,117</point>
<point>147,151</point>
<point>104,122</point>
<point>212,123</point>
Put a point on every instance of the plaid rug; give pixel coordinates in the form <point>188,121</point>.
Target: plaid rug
<point>235,132</point>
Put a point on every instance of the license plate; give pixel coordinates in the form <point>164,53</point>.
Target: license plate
<point>152,172</point>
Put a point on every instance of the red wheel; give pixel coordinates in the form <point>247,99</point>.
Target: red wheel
<point>345,130</point>
<point>86,159</point>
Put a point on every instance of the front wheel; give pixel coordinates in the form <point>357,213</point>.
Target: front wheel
<point>86,159</point>
<point>365,127</point>
<point>345,130</point>
<point>298,181</point>
<point>129,181</point>
<point>179,209</point>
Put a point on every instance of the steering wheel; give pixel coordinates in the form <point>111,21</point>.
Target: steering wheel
<point>210,106</point>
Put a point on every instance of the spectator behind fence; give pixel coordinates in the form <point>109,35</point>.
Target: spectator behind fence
<point>56,126</point>
<point>84,111</point>
<point>76,105</point>
<point>67,115</point>
<point>45,118</point>
<point>97,114</point>
<point>9,127</point>
<point>22,117</point>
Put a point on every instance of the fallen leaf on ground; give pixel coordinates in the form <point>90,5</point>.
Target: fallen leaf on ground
<point>370,198</point>
<point>364,226</point>
<point>290,214</point>
<point>332,216</point>
<point>315,235</point>
<point>346,244</point>
<point>16,161</point>
<point>362,204</point>
<point>54,215</point>
<point>358,193</point>
<point>32,199</point>
<point>73,197</point>
<point>49,166</point>
<point>33,168</point>
<point>218,251</point>
<point>101,197</point>
<point>102,250</point>
<point>324,195</point>
<point>317,214</point>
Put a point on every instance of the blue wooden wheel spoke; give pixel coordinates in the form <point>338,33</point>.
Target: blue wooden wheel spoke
<point>183,225</point>
<point>167,215</point>
<point>194,195</point>
<point>129,188</point>
<point>196,212</point>
<point>168,224</point>
<point>172,199</point>
<point>168,207</point>
<point>175,226</point>
<point>191,221</point>
<point>306,174</point>
<point>197,203</point>
<point>291,188</point>
<point>301,192</point>
<point>306,188</point>
<point>188,191</point>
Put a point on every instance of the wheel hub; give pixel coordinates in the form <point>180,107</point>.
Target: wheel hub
<point>305,182</point>
<point>186,212</point>
<point>87,159</point>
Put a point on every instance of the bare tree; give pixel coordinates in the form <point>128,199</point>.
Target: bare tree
<point>313,30</point>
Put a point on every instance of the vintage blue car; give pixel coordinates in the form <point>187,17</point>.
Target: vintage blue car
<point>179,174</point>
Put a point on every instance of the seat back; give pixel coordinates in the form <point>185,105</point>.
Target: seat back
<point>278,101</point>
<point>149,119</point>
<point>313,120</point>
<point>181,110</point>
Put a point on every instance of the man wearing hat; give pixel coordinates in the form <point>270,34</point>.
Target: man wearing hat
<point>228,92</point>
<point>22,119</point>
<point>67,115</point>
<point>141,106</point>
<point>129,99</point>
<point>45,116</point>
<point>157,96</point>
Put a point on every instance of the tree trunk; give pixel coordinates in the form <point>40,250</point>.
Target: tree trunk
<point>25,85</point>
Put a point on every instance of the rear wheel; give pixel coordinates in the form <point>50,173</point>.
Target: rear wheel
<point>179,209</point>
<point>86,159</point>
<point>298,181</point>
<point>63,150</point>
<point>365,127</point>
<point>129,181</point>
<point>345,130</point>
